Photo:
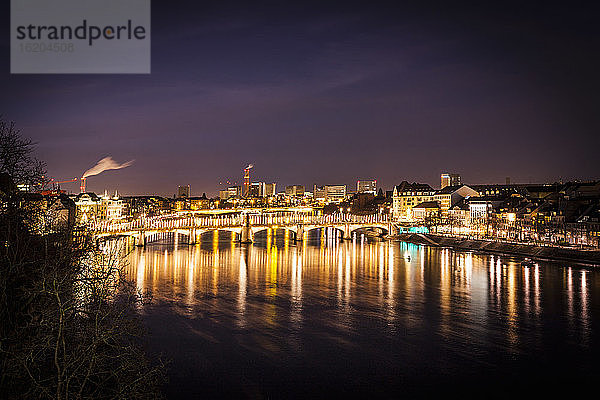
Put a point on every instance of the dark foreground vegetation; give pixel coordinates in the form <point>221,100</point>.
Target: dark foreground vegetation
<point>68,321</point>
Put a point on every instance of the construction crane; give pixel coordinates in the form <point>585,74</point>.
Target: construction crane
<point>56,184</point>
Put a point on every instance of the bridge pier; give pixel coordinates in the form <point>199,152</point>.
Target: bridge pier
<point>246,235</point>
<point>347,232</point>
<point>391,231</point>
<point>299,233</point>
<point>141,239</point>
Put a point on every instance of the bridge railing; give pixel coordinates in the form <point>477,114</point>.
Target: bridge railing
<point>158,223</point>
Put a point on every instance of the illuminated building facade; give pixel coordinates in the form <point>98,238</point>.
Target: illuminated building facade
<point>368,186</point>
<point>451,195</point>
<point>330,193</point>
<point>407,195</point>
<point>425,210</point>
<point>87,207</point>
<point>231,192</point>
<point>110,208</point>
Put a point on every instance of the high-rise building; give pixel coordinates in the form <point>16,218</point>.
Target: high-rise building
<point>369,186</point>
<point>256,189</point>
<point>450,179</point>
<point>270,189</point>
<point>294,190</point>
<point>327,193</point>
<point>319,193</point>
<point>183,191</point>
<point>335,192</point>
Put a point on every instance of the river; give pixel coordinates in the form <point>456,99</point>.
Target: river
<point>380,319</point>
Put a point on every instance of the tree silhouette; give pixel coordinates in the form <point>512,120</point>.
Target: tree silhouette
<point>68,321</point>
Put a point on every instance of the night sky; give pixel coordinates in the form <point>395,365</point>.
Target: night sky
<point>327,94</point>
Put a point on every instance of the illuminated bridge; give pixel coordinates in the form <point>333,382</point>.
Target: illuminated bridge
<point>243,225</point>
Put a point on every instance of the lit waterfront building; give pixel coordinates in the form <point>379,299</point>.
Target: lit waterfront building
<point>450,180</point>
<point>407,195</point>
<point>459,214</point>
<point>425,210</point>
<point>110,208</point>
<point>451,195</point>
<point>86,207</point>
<point>180,204</point>
<point>368,186</point>
<point>478,210</point>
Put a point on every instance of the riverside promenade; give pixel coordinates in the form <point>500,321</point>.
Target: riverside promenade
<point>527,250</point>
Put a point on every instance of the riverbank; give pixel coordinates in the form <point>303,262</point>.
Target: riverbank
<point>532,251</point>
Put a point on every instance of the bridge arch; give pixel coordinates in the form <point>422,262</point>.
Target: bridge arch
<point>380,230</point>
<point>191,229</point>
<point>338,229</point>
<point>261,229</point>
<point>156,236</point>
<point>235,232</point>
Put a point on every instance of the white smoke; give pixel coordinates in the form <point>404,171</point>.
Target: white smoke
<point>249,166</point>
<point>104,165</point>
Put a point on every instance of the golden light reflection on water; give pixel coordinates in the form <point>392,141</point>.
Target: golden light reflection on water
<point>536,282</point>
<point>585,318</point>
<point>512,305</point>
<point>403,284</point>
<point>526,289</point>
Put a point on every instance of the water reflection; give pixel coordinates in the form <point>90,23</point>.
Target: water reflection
<point>295,300</point>
<point>243,286</point>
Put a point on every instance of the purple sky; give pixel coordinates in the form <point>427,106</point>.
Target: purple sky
<point>316,93</point>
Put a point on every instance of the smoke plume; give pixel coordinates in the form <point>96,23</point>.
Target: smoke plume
<point>104,165</point>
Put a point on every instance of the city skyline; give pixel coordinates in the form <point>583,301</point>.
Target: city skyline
<point>73,186</point>
<point>325,94</point>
